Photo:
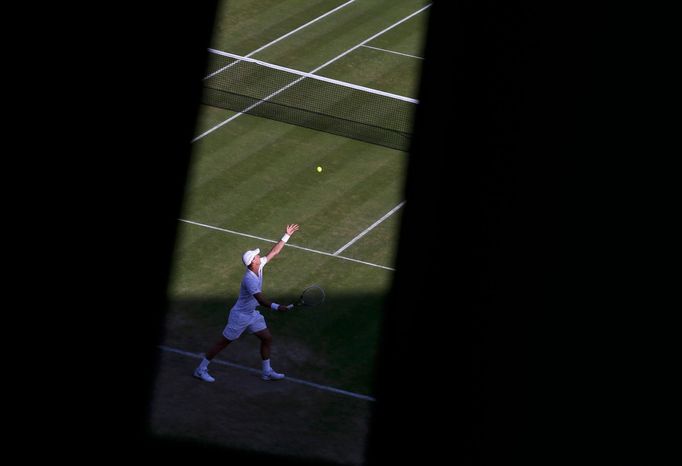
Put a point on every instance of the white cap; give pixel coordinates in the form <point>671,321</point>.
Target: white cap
<point>249,255</point>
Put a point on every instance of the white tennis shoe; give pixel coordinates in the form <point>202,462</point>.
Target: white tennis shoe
<point>272,375</point>
<point>203,375</point>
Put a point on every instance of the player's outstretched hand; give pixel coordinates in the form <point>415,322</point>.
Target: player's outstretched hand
<point>292,228</point>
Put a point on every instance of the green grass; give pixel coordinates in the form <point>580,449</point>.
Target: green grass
<point>378,70</point>
<point>372,247</point>
<point>360,182</point>
<point>331,36</point>
<point>209,117</point>
<point>244,26</point>
<point>407,38</point>
<point>255,175</point>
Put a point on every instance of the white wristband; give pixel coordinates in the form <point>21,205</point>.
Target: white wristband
<point>286,237</point>
<point>274,306</point>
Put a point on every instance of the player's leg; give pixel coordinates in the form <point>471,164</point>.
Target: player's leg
<point>236,324</point>
<point>265,346</point>
<point>201,372</point>
<point>218,347</point>
<point>265,343</point>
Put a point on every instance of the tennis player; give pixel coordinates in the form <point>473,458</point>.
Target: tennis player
<point>244,316</point>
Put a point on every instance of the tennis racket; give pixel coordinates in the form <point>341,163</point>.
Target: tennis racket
<point>311,296</point>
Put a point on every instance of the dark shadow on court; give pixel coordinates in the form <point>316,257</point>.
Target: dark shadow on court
<point>240,411</point>
<point>473,349</point>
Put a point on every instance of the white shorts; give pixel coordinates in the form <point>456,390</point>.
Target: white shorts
<point>237,322</point>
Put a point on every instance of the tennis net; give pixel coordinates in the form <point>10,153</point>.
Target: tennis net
<point>254,87</point>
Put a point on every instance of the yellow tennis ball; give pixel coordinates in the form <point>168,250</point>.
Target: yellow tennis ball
<point>319,169</point>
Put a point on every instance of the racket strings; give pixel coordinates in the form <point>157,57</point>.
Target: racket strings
<point>313,295</point>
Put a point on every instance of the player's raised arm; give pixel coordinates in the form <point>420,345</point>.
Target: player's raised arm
<point>290,230</point>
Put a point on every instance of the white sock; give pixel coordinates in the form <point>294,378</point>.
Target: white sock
<point>266,365</point>
<point>204,364</point>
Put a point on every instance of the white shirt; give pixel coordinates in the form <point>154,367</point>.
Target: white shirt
<point>251,284</point>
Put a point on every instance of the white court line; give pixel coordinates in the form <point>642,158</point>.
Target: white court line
<point>290,379</point>
<point>289,245</point>
<point>313,71</point>
<point>393,51</point>
<point>283,37</point>
<point>315,76</point>
<point>370,39</point>
<point>369,228</point>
